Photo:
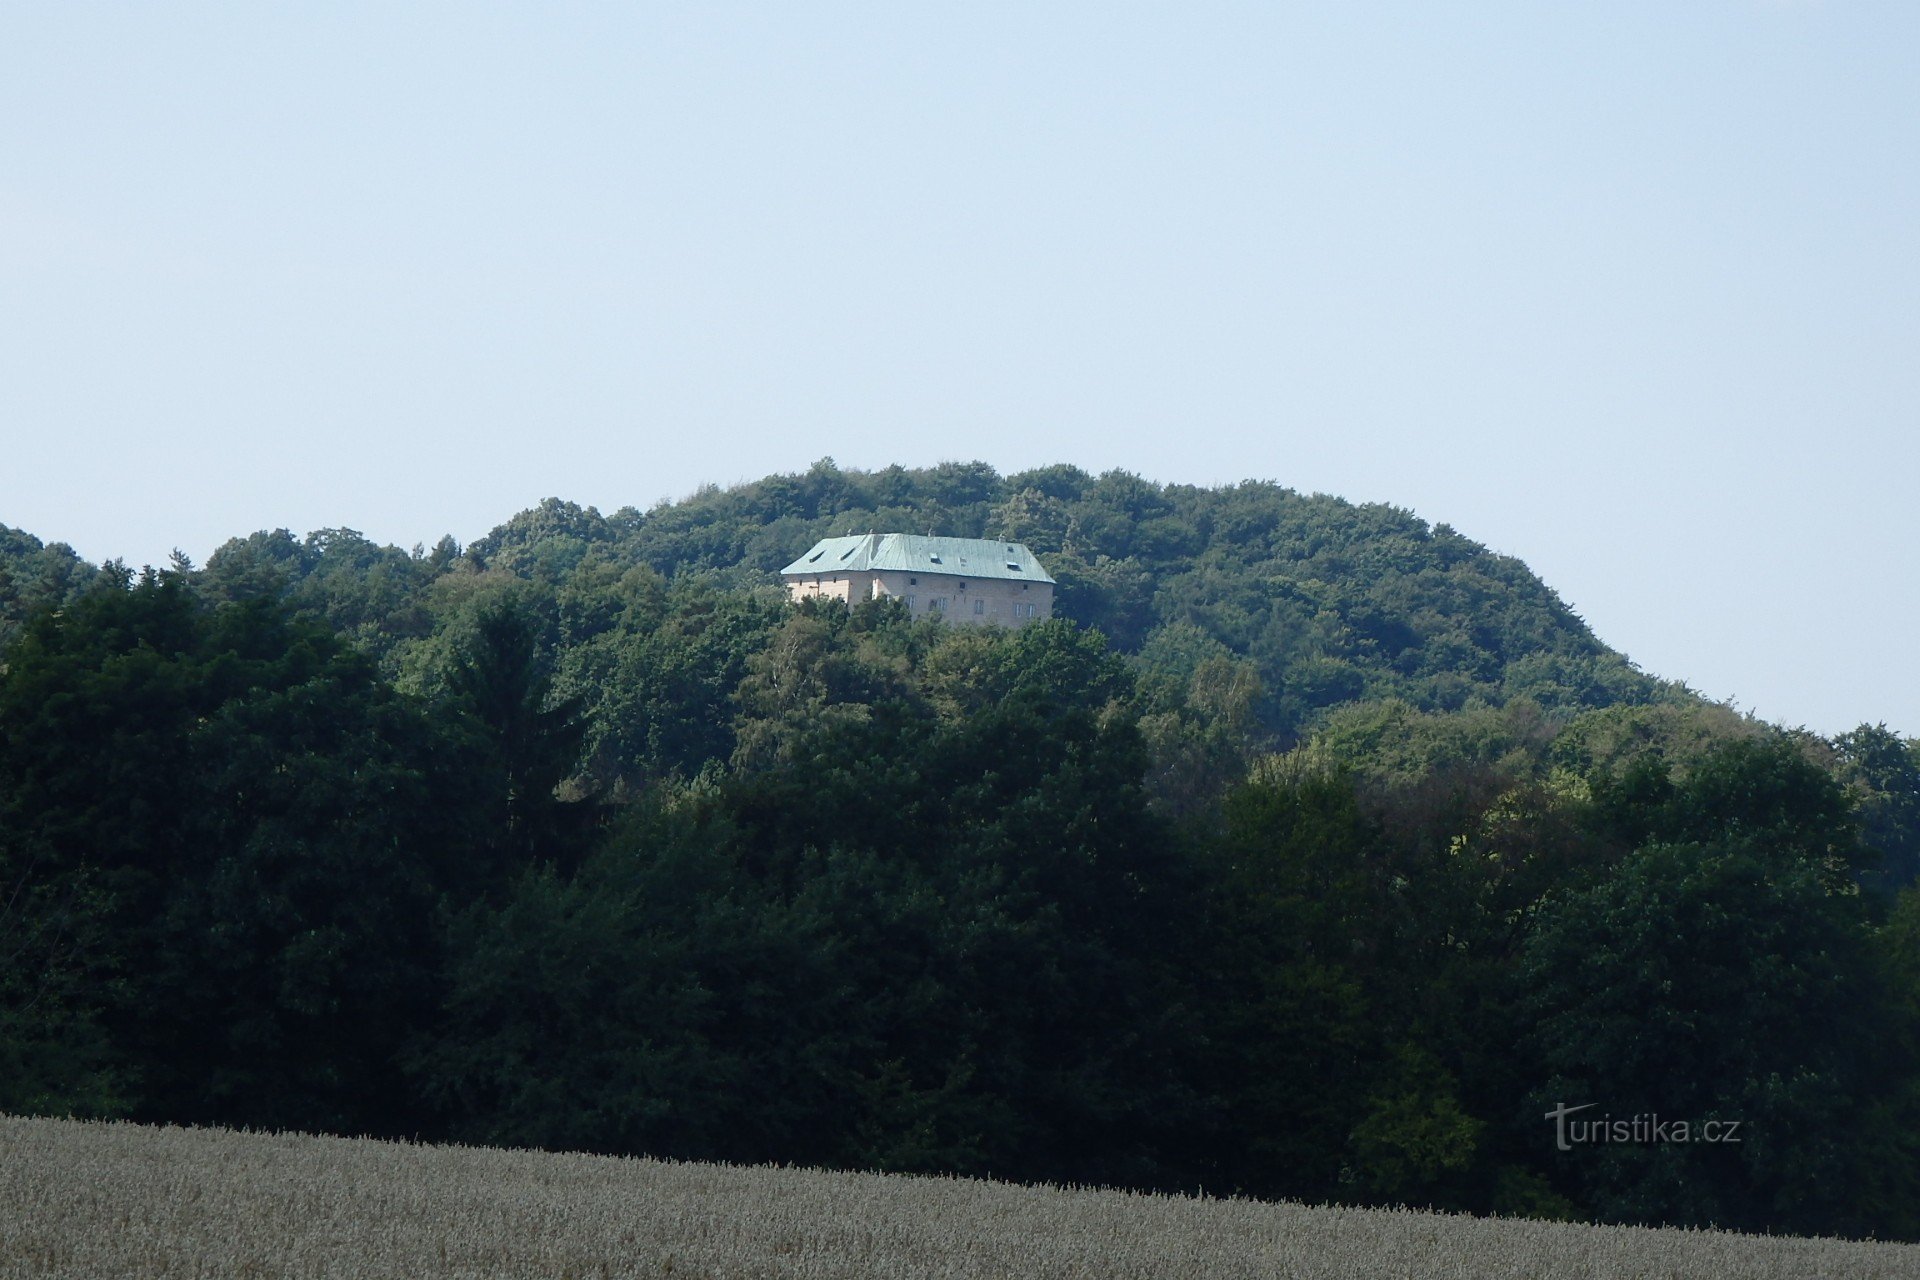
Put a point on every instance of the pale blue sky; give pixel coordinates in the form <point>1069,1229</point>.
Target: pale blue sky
<point>1628,290</point>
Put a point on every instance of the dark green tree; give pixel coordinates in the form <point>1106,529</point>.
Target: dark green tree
<point>1883,771</point>
<point>532,740</point>
<point>1700,982</point>
<point>236,831</point>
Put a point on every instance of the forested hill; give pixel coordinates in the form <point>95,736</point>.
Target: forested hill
<point>1350,857</point>
<point>1328,602</point>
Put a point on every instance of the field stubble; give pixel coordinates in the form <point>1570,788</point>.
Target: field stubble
<point>97,1200</point>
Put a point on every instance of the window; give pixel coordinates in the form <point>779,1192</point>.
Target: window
<point>979,606</point>
<point>938,604</point>
<point>909,599</point>
<point>913,582</point>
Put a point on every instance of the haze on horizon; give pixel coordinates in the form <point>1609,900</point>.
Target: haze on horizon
<point>1630,292</point>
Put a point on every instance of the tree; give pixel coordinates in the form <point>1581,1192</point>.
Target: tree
<point>1701,982</point>
<point>1883,771</point>
<point>235,832</point>
<point>533,741</point>
<point>1290,1030</point>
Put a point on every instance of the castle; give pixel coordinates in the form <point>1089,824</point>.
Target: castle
<point>963,580</point>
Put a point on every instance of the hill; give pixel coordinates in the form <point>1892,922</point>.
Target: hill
<point>583,837</point>
<point>1329,602</point>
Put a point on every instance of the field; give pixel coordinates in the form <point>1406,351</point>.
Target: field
<point>101,1200</point>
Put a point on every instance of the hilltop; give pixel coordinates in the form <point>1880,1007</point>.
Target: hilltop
<point>1329,602</point>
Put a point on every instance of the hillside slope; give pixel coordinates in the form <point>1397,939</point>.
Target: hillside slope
<point>1332,601</point>
<point>1329,602</point>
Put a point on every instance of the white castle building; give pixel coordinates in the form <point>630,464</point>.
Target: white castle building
<point>963,580</point>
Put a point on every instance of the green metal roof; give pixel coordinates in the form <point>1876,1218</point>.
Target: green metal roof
<point>962,557</point>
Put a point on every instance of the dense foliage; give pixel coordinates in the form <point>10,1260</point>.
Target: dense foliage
<point>1314,853</point>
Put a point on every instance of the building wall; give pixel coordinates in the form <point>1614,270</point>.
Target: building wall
<point>967,601</point>
<point>844,587</point>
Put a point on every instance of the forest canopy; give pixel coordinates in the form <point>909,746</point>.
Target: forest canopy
<point>1310,851</point>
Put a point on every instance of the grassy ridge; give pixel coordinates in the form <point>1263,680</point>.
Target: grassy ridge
<point>94,1200</point>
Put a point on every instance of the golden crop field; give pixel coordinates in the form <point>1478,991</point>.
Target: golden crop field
<point>106,1200</point>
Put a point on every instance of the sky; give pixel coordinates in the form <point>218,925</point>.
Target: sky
<point>1629,291</point>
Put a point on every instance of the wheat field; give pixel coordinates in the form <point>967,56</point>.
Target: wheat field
<point>105,1200</point>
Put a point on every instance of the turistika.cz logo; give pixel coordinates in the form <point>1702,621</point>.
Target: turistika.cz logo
<point>1646,1129</point>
